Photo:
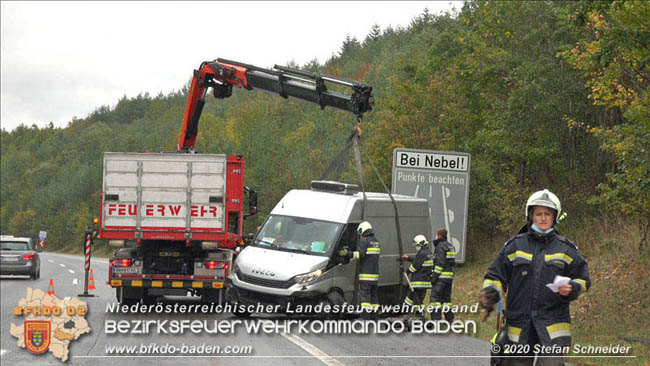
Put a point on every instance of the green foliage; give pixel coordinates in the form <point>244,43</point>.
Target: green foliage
<point>542,94</point>
<point>614,57</point>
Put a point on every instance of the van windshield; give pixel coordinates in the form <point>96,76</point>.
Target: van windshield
<point>298,234</point>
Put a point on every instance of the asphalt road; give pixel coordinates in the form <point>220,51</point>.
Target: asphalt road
<point>267,349</point>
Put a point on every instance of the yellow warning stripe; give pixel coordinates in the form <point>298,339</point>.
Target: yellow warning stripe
<point>559,330</point>
<point>558,256</point>
<point>520,254</point>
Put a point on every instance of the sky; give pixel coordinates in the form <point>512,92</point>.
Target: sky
<point>61,60</point>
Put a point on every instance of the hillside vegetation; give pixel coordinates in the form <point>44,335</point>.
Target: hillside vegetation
<point>542,94</point>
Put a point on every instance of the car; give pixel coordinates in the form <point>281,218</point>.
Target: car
<point>18,256</point>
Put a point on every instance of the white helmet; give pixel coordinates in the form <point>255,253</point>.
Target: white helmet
<point>420,240</point>
<point>363,227</point>
<point>544,198</point>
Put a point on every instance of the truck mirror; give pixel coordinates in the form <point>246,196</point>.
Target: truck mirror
<point>252,202</point>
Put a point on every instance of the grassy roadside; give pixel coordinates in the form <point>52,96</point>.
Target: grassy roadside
<point>615,311</point>
<point>99,251</point>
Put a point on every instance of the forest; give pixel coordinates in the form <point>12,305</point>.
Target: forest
<point>541,94</point>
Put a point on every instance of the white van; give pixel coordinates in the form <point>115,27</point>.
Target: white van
<point>294,256</point>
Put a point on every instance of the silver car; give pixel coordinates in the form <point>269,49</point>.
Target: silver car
<point>18,256</point>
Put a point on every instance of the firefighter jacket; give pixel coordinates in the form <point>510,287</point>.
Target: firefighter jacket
<point>526,264</point>
<point>368,256</point>
<point>421,268</point>
<point>444,259</point>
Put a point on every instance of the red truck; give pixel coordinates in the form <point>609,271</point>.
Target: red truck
<point>175,219</point>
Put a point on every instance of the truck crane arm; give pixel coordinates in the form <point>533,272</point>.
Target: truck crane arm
<point>221,75</point>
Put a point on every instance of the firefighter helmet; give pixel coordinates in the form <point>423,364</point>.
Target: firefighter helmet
<point>363,227</point>
<point>420,240</point>
<point>544,198</point>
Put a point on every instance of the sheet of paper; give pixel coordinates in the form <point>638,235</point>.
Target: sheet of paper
<point>557,282</point>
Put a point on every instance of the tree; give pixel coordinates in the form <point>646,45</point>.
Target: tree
<point>615,60</point>
<point>374,35</point>
<point>350,46</point>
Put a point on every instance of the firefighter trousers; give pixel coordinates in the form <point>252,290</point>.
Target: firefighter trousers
<point>441,297</point>
<point>415,297</point>
<point>368,299</point>
<point>554,359</point>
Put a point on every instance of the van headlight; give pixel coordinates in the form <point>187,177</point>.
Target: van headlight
<point>308,277</point>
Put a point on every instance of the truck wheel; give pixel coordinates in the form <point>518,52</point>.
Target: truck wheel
<point>119,294</point>
<point>211,296</point>
<point>149,300</point>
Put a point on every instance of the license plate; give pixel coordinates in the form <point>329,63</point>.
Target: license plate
<point>170,254</point>
<point>125,270</point>
<point>10,259</point>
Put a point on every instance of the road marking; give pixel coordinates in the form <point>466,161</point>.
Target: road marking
<point>2,352</point>
<point>75,281</point>
<point>51,261</point>
<point>71,271</point>
<point>61,264</point>
<point>310,348</point>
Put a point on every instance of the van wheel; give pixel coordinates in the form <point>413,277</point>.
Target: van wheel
<point>333,298</point>
<point>232,298</point>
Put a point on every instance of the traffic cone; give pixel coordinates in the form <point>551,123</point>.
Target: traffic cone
<point>91,280</point>
<point>50,288</point>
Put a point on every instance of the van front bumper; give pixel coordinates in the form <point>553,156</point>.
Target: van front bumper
<point>250,294</point>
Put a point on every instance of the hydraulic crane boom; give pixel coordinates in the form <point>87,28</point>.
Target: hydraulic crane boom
<point>221,75</point>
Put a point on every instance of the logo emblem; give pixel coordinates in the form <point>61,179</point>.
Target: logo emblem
<point>37,335</point>
<point>264,272</point>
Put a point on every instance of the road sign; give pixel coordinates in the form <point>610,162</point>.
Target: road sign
<point>42,235</point>
<point>442,177</point>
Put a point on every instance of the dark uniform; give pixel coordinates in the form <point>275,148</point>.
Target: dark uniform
<point>442,278</point>
<point>535,314</point>
<point>420,269</point>
<point>368,256</point>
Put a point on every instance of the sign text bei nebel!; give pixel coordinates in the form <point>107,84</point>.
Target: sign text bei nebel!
<point>442,178</point>
<point>432,160</point>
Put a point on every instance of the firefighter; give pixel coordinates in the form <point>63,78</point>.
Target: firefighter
<point>420,270</point>
<point>442,277</point>
<point>535,314</point>
<point>368,256</point>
